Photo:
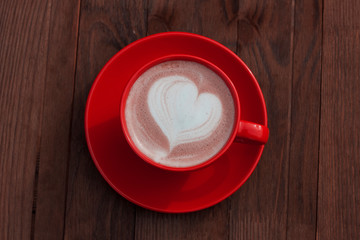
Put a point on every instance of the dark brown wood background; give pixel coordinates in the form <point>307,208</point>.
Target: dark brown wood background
<point>305,55</point>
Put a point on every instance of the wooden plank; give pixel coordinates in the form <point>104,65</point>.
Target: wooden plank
<point>305,110</point>
<point>211,223</point>
<point>24,41</point>
<point>54,149</point>
<point>94,210</point>
<point>24,28</point>
<point>214,19</point>
<point>265,34</point>
<point>339,167</point>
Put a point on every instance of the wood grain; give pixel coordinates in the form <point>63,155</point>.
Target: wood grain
<point>24,28</point>
<point>214,19</point>
<point>210,223</point>
<point>339,167</point>
<point>305,111</point>
<point>94,210</point>
<point>56,120</point>
<point>265,36</point>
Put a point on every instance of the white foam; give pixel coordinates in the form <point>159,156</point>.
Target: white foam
<point>180,133</point>
<point>182,114</point>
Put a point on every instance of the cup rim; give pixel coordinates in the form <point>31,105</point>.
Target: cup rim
<point>186,57</point>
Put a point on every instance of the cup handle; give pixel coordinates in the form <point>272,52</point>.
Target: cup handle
<point>253,133</point>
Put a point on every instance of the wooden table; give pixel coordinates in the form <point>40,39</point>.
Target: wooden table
<point>305,55</point>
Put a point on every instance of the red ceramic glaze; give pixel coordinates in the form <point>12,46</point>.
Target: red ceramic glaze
<point>244,131</point>
<point>150,186</point>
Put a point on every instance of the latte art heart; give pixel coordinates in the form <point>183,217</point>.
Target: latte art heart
<point>181,112</point>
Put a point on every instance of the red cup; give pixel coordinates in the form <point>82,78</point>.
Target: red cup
<point>243,131</point>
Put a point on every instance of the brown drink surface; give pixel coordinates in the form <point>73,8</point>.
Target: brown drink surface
<point>179,113</point>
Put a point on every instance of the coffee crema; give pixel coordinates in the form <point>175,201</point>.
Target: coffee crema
<point>179,113</point>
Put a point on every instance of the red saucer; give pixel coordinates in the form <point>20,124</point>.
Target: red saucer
<point>138,181</point>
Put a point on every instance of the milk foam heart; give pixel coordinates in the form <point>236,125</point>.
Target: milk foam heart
<point>182,113</point>
<point>179,113</point>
